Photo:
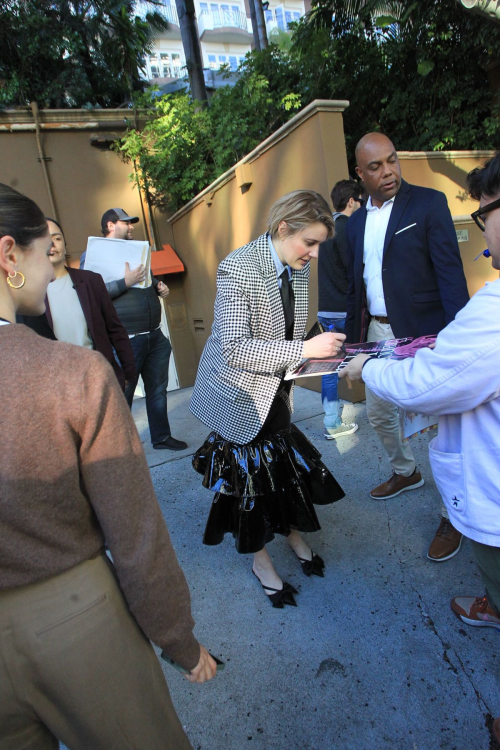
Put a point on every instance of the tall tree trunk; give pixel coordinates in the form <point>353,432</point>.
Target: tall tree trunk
<point>192,49</point>
<point>261,24</point>
<point>255,28</point>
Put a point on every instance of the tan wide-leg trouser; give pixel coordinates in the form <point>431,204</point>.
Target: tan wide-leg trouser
<point>75,667</point>
<point>384,417</point>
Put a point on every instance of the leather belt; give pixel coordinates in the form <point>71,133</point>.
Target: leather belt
<point>381,319</point>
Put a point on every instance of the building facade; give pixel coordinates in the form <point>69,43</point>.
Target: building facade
<point>225,33</point>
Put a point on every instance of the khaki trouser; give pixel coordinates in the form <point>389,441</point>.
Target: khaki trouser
<point>75,667</point>
<point>384,417</point>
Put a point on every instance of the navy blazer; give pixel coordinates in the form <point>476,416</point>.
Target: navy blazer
<point>103,323</point>
<point>422,273</point>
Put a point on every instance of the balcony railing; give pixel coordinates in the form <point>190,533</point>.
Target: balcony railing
<point>170,13</point>
<point>167,11</point>
<point>217,19</point>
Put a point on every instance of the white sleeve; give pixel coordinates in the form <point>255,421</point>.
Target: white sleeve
<point>462,372</point>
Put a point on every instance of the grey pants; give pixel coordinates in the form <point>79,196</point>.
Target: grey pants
<point>75,667</point>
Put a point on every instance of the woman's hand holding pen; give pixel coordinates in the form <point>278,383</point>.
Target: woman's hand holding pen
<point>324,345</point>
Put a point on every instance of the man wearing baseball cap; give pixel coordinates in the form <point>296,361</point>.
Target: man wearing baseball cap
<point>139,311</point>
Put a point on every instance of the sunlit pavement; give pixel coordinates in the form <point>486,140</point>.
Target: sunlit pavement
<point>372,657</point>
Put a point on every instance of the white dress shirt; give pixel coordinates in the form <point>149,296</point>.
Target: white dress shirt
<point>377,220</point>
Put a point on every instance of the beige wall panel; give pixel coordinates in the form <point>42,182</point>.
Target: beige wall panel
<point>85,181</point>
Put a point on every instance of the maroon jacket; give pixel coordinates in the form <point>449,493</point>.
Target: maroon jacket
<point>103,323</point>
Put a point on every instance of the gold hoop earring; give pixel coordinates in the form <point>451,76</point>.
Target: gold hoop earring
<point>13,276</point>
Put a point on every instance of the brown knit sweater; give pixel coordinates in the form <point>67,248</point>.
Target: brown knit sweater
<point>73,474</point>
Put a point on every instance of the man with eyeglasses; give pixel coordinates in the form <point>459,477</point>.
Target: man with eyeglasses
<point>347,197</point>
<point>459,380</point>
<point>405,279</point>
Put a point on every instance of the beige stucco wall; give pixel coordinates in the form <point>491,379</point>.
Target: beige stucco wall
<point>85,181</point>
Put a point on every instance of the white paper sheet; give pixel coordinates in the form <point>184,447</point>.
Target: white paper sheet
<point>108,256</point>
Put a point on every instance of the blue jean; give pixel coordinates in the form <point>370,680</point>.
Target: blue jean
<point>152,355</point>
<point>329,383</point>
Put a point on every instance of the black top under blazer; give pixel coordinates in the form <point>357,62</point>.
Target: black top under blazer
<point>422,273</point>
<point>246,355</point>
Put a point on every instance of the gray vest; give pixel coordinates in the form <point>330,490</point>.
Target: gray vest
<point>139,310</point>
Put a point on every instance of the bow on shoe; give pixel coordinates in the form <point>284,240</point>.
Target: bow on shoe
<point>285,596</point>
<point>313,567</point>
<point>281,596</point>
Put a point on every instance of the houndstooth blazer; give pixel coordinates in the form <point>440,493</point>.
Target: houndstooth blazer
<point>246,355</point>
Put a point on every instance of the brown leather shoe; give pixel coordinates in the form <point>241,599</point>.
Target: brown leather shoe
<point>396,484</point>
<point>446,543</point>
<point>496,730</point>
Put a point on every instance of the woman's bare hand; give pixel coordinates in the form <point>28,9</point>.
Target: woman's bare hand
<point>324,345</point>
<point>205,669</point>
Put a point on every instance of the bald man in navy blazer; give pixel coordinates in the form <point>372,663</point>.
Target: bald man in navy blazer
<point>405,279</point>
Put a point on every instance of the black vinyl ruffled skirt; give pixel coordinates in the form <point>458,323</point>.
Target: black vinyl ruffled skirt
<point>266,487</point>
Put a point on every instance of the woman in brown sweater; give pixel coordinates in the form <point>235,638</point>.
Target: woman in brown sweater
<point>76,663</point>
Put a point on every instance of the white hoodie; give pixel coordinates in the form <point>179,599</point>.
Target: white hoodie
<point>460,381</point>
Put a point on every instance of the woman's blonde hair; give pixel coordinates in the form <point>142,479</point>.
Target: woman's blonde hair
<point>299,209</point>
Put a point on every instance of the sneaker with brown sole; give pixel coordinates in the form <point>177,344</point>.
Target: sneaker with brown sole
<point>446,543</point>
<point>475,611</point>
<point>396,484</point>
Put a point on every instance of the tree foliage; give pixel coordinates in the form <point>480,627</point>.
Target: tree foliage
<point>414,70</point>
<point>183,148</point>
<point>73,53</point>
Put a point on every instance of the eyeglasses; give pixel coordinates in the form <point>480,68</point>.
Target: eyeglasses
<point>478,215</point>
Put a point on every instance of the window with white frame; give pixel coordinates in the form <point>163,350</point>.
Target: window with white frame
<point>165,65</point>
<point>171,64</point>
<point>225,14</point>
<point>216,61</point>
<point>283,17</point>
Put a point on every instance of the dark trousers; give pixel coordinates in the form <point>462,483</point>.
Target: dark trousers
<point>488,561</point>
<point>152,357</point>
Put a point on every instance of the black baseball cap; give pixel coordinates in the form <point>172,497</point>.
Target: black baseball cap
<point>114,215</point>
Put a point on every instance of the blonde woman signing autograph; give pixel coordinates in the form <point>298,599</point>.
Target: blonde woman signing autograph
<point>264,472</point>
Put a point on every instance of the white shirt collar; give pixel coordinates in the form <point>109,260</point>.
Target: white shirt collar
<point>371,207</point>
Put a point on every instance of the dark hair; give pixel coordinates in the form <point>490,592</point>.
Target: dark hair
<point>47,218</point>
<point>343,191</point>
<point>485,180</point>
<point>20,217</point>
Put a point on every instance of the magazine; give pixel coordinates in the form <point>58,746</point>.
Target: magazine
<point>411,424</point>
<point>107,256</point>
<point>376,349</point>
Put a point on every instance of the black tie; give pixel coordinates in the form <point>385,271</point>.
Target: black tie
<point>288,299</point>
